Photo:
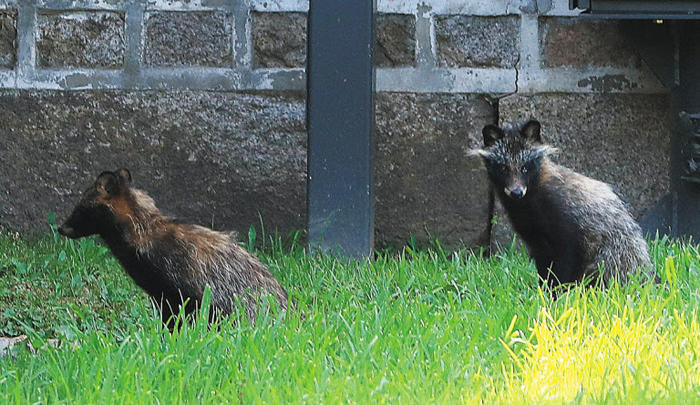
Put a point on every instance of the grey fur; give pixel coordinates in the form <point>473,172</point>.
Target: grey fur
<point>571,223</point>
<point>613,239</point>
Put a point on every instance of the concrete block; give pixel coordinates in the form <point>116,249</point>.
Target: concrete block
<point>202,38</point>
<point>279,40</point>
<point>473,41</point>
<point>396,40</point>
<point>8,39</point>
<point>575,42</point>
<point>81,39</point>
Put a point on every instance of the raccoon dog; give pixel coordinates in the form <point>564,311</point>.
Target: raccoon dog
<point>575,227</point>
<point>173,262</point>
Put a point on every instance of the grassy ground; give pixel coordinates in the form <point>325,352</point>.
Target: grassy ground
<point>417,327</point>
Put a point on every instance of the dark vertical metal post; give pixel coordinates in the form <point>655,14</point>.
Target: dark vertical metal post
<point>340,121</point>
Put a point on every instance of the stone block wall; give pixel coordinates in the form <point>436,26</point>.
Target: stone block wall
<point>477,41</point>
<point>80,40</point>
<point>205,102</point>
<point>198,38</point>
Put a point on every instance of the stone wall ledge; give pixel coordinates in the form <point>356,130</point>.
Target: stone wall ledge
<point>447,80</point>
<point>199,78</point>
<point>445,7</point>
<point>480,8</point>
<point>403,79</point>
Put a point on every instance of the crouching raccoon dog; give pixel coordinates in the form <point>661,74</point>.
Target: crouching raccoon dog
<point>173,262</point>
<point>571,224</point>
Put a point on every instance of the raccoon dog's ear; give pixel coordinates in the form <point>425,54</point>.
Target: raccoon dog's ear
<point>108,182</point>
<point>492,134</point>
<point>531,131</point>
<point>123,175</point>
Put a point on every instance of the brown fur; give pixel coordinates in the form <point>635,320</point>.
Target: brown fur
<point>171,261</point>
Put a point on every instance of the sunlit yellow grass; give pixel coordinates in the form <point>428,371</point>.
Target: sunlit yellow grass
<point>586,356</point>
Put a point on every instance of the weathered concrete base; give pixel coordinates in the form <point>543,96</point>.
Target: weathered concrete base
<point>621,139</point>
<point>228,160</point>
<point>225,160</point>
<point>426,185</point>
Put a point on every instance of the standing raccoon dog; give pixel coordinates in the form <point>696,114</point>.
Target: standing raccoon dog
<point>571,224</point>
<point>171,261</point>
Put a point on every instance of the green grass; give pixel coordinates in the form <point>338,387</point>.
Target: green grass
<point>418,327</point>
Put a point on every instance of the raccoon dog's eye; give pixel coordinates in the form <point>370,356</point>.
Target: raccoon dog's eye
<point>523,169</point>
